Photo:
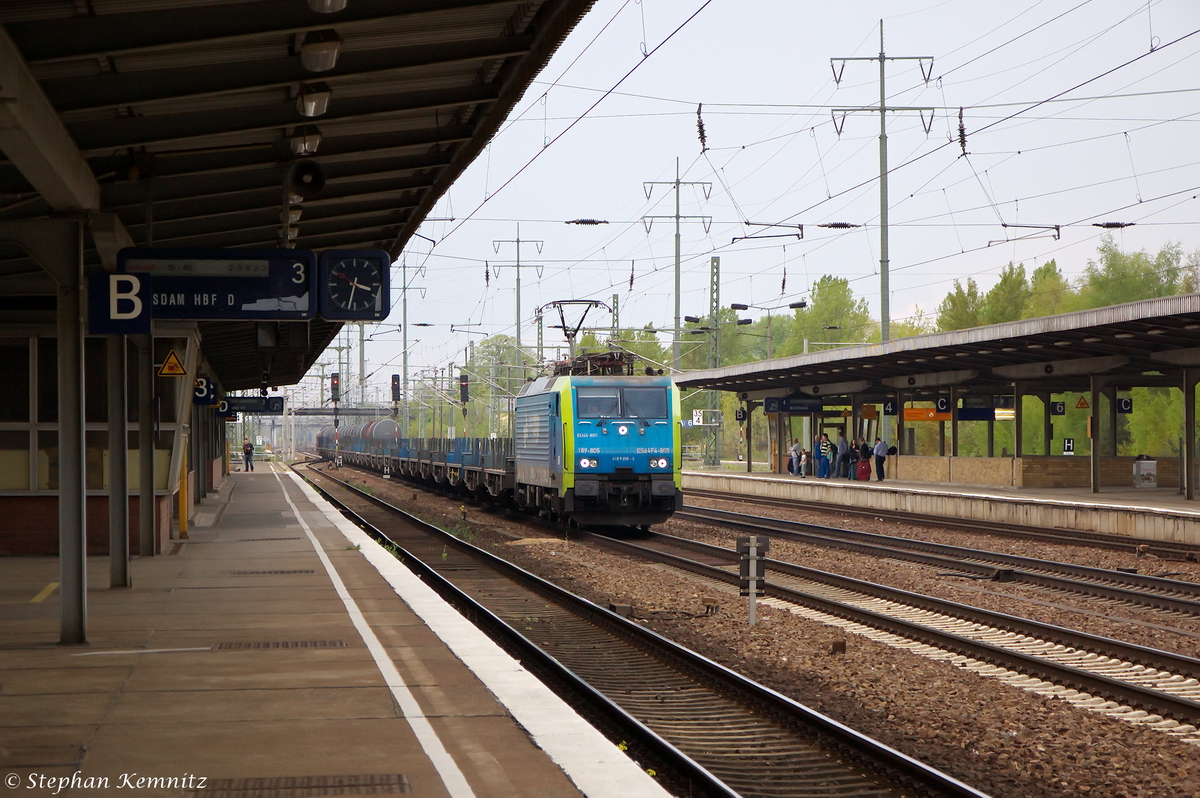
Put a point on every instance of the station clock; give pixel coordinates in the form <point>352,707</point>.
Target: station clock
<point>353,285</point>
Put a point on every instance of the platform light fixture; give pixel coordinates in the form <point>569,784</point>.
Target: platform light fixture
<point>305,139</point>
<point>290,215</point>
<point>313,99</point>
<point>327,6</point>
<point>319,50</point>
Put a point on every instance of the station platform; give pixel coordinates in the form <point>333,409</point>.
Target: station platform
<point>1154,513</point>
<point>278,652</point>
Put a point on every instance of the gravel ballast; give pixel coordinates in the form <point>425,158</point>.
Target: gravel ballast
<point>1004,741</point>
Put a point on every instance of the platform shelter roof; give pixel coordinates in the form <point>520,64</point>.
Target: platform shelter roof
<point>1138,343</point>
<point>181,117</point>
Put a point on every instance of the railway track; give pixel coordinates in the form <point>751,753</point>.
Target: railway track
<point>1166,550</point>
<point>715,732</point>
<point>1130,588</point>
<point>1157,688</point>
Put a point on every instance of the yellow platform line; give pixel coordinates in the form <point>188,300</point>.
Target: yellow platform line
<point>46,591</point>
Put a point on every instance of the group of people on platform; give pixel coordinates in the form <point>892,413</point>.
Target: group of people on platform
<point>842,459</point>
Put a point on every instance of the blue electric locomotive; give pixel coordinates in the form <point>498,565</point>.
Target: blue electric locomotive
<point>601,449</point>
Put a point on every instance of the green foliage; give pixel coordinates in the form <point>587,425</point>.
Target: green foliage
<point>1048,291</point>
<point>920,323</point>
<point>1119,277</point>
<point>962,308</point>
<point>833,316</point>
<point>1008,297</point>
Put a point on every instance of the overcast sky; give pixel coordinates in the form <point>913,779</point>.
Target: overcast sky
<point>1075,112</point>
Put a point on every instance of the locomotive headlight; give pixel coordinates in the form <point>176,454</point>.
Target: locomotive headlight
<point>662,462</point>
<point>584,462</point>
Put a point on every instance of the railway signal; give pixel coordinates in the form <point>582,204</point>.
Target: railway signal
<point>335,387</point>
<point>752,551</point>
<point>395,387</point>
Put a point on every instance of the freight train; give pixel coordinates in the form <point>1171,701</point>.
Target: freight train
<point>594,444</point>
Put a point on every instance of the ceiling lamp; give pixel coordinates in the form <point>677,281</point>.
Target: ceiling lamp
<point>313,99</point>
<point>319,51</point>
<point>327,6</point>
<point>1124,335</point>
<point>1092,339</point>
<point>289,233</point>
<point>1156,331</point>
<point>289,216</point>
<point>305,139</point>
<point>1062,343</point>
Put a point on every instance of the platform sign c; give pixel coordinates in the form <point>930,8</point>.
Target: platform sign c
<point>1124,404</point>
<point>118,304</point>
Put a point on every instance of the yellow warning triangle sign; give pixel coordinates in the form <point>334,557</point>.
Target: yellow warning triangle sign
<point>1080,405</point>
<point>172,367</point>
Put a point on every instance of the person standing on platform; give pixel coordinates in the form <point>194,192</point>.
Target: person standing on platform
<point>803,463</point>
<point>794,462</point>
<point>826,457</point>
<point>843,455</point>
<point>881,451</point>
<point>247,455</point>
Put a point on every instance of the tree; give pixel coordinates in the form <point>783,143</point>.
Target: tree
<point>833,315</point>
<point>917,324</point>
<point>1119,277</point>
<point>1048,290</point>
<point>961,308</point>
<point>1007,299</point>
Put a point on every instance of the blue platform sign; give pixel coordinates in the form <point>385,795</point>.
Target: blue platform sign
<point>889,407</point>
<point>1058,408</point>
<point>943,405</point>
<point>118,304</point>
<point>792,404</point>
<point>976,414</point>
<point>225,284</point>
<point>258,405</point>
<point>1124,404</point>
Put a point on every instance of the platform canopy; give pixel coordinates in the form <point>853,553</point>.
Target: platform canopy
<point>175,122</point>
<point>1135,344</point>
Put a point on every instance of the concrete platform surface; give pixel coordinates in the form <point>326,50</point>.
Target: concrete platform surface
<point>277,653</point>
<point>1155,513</point>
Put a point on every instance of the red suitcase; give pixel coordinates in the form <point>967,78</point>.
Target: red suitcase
<point>864,471</point>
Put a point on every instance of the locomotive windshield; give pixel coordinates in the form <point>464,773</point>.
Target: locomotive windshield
<point>645,402</point>
<point>614,402</point>
<point>598,402</point>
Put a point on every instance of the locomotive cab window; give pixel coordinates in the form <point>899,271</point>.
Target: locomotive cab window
<point>645,402</point>
<point>597,402</point>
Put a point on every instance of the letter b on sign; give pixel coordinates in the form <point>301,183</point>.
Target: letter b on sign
<point>117,304</point>
<point>123,293</point>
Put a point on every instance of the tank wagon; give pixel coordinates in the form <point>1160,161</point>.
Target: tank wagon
<point>590,445</point>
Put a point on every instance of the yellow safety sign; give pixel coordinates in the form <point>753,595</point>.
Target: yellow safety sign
<point>1081,404</point>
<point>172,366</point>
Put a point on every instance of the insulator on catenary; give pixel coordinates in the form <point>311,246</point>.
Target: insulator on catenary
<point>962,132</point>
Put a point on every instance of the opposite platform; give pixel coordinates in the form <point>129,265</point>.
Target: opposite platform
<point>1157,514</point>
<point>278,652</point>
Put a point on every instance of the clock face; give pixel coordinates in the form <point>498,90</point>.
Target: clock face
<point>354,285</point>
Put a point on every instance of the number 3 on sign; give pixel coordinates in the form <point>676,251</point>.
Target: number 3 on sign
<point>202,388</point>
<point>300,278</point>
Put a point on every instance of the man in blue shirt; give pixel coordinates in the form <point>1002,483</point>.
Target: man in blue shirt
<point>880,452</point>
